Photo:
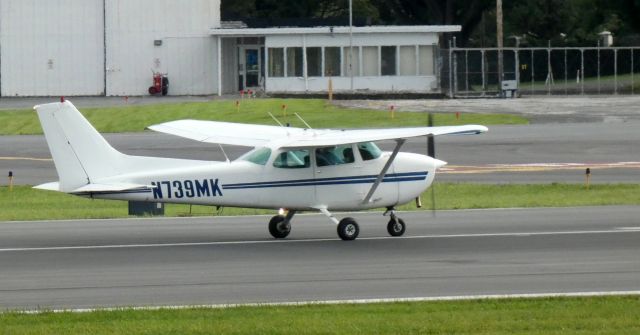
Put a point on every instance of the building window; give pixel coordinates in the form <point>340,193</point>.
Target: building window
<point>294,62</point>
<point>332,61</point>
<point>276,62</point>
<point>425,61</point>
<point>314,62</point>
<point>370,64</point>
<point>355,65</point>
<point>388,61</point>
<point>408,61</point>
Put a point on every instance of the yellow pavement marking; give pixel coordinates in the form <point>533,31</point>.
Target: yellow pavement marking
<point>471,169</point>
<point>534,167</point>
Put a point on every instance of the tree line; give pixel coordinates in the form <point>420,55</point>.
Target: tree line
<point>533,22</point>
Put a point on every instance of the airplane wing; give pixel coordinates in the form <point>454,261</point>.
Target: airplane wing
<point>289,137</point>
<point>251,135</point>
<point>329,137</point>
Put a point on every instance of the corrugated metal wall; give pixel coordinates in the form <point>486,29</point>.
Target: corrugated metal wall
<point>57,47</point>
<point>229,65</point>
<point>51,47</point>
<point>188,52</point>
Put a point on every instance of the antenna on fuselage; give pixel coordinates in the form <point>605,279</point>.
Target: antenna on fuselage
<point>303,121</point>
<point>274,119</point>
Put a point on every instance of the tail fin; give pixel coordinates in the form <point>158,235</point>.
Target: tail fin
<point>81,155</point>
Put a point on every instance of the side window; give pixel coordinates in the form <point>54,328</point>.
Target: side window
<point>342,154</point>
<point>369,151</point>
<point>293,159</point>
<point>258,156</point>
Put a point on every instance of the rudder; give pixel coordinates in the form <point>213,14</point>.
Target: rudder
<point>81,155</point>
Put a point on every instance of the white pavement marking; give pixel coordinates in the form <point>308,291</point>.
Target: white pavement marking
<point>189,244</point>
<point>629,228</point>
<point>350,301</point>
<point>10,158</point>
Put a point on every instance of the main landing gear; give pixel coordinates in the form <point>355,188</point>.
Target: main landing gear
<point>348,228</point>
<point>280,225</point>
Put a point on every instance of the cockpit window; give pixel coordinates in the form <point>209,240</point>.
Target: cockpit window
<point>369,151</point>
<point>258,156</point>
<point>293,159</point>
<point>341,154</point>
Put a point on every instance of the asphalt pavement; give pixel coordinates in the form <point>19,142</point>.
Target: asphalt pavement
<point>599,146</point>
<point>186,261</point>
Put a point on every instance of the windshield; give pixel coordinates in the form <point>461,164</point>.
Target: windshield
<point>369,151</point>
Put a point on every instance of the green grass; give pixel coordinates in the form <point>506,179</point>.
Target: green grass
<point>566,316</point>
<point>24,203</point>
<point>470,195</point>
<point>318,113</point>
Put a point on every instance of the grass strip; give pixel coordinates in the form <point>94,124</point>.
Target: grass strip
<point>25,203</point>
<point>593,315</point>
<point>318,113</point>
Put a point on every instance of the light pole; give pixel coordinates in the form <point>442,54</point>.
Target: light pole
<point>500,43</point>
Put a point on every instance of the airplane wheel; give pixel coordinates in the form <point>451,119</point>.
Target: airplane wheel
<point>277,228</point>
<point>396,229</point>
<point>348,229</point>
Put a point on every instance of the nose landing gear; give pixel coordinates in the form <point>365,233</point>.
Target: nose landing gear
<point>395,226</point>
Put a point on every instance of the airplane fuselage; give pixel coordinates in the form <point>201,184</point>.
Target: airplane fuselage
<point>242,183</point>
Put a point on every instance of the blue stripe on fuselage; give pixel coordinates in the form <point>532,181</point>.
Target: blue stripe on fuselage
<point>369,179</point>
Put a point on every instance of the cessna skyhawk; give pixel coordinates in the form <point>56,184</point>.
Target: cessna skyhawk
<point>296,169</point>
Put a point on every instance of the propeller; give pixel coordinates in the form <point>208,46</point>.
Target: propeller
<point>431,151</point>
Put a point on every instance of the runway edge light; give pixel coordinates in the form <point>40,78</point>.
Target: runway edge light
<point>10,181</point>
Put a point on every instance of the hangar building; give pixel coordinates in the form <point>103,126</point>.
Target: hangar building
<point>112,47</point>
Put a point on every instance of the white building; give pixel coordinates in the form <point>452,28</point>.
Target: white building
<point>111,47</point>
<point>301,60</point>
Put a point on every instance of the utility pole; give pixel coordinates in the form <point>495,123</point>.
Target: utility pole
<point>351,43</point>
<point>500,44</point>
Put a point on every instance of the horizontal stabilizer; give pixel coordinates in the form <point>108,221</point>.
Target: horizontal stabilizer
<point>111,187</point>
<point>53,186</point>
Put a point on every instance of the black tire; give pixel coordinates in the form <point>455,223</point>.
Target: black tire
<point>348,229</point>
<point>165,85</point>
<point>396,229</point>
<point>277,229</point>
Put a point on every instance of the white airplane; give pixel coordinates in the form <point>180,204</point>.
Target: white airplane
<point>288,168</point>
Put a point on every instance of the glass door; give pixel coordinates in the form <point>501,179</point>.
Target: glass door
<point>252,67</point>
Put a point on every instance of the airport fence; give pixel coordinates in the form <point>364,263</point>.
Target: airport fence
<point>473,72</point>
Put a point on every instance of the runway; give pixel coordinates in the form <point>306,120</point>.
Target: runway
<point>185,261</point>
<point>590,144</point>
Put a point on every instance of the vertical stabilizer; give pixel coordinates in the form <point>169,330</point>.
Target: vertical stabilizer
<point>81,155</point>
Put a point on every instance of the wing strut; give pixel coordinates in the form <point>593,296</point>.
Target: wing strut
<point>399,143</point>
